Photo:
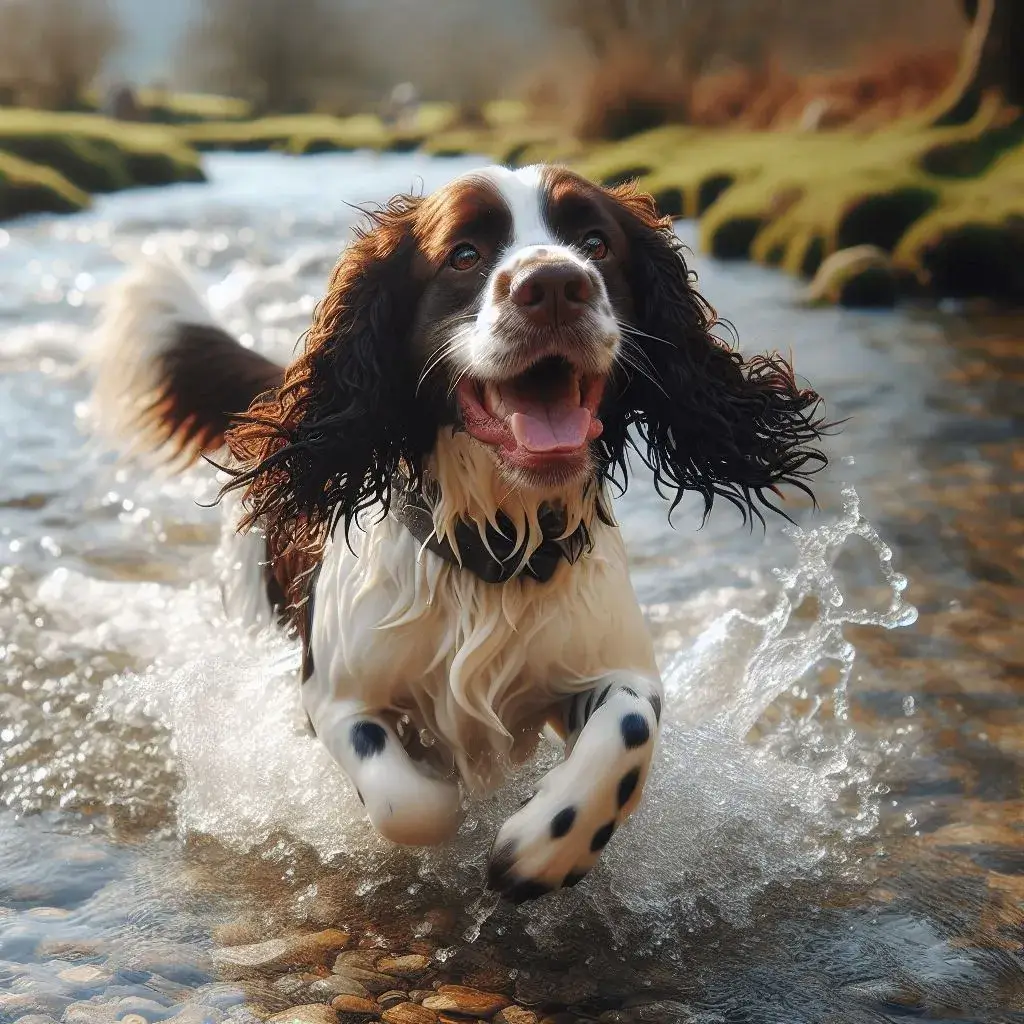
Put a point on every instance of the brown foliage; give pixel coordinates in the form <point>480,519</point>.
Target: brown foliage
<point>51,51</point>
<point>281,55</point>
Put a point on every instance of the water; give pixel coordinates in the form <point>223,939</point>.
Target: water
<point>834,828</point>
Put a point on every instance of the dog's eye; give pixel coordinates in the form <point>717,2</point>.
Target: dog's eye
<point>464,257</point>
<point>595,246</point>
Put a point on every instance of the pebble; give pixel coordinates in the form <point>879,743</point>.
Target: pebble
<point>470,1001</point>
<point>355,1005</point>
<point>48,913</point>
<point>393,997</point>
<point>515,1015</point>
<point>409,1013</point>
<point>310,1013</point>
<point>85,976</point>
<point>194,1014</point>
<point>147,1009</point>
<point>37,1018</point>
<point>373,981</point>
<point>409,966</point>
<point>417,995</point>
<point>133,1018</point>
<point>338,985</point>
<point>290,951</point>
<point>366,959</point>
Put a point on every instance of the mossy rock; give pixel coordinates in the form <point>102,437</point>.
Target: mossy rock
<point>862,277</point>
<point>883,218</point>
<point>732,237</point>
<point>27,188</point>
<point>97,154</point>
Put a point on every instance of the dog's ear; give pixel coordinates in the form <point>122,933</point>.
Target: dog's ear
<point>327,444</point>
<point>703,418</point>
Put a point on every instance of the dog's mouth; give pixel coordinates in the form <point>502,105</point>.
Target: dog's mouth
<point>541,419</point>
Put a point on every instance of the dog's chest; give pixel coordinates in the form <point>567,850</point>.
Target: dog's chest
<point>395,628</point>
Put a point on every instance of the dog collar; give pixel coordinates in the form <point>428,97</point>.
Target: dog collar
<point>500,558</point>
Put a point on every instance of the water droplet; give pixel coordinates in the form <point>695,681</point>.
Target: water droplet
<point>908,705</point>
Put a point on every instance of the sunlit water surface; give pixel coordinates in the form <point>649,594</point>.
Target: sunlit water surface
<point>835,827</point>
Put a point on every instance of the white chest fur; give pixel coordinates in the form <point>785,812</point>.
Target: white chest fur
<point>476,664</point>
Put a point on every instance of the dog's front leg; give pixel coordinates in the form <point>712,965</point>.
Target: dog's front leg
<point>557,836</point>
<point>405,800</point>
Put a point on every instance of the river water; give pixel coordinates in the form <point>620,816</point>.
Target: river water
<point>835,828</point>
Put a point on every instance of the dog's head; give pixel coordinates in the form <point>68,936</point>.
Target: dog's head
<point>532,323</point>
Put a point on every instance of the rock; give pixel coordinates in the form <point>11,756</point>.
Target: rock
<point>48,913</point>
<point>409,966</point>
<point>417,995</point>
<point>469,1001</point>
<point>220,995</point>
<point>515,1015</point>
<point>194,1014</point>
<point>86,976</point>
<point>372,981</point>
<point>409,1013</point>
<point>238,932</point>
<point>355,1005</point>
<point>289,951</point>
<point>337,985</point>
<point>861,276</point>
<point>393,997</point>
<point>309,1013</point>
<point>133,1018</point>
<point>71,949</point>
<point>37,1018</point>
<point>365,959</point>
<point>147,1009</point>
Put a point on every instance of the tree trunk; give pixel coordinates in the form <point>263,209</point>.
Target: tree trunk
<point>990,64</point>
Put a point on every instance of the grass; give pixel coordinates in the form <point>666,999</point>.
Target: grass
<point>27,188</point>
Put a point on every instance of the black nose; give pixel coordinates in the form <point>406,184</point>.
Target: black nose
<point>551,294</point>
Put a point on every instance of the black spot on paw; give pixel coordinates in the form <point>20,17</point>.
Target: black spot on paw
<point>527,890</point>
<point>601,837</point>
<point>562,822</point>
<point>656,704</point>
<point>368,739</point>
<point>499,866</point>
<point>635,730</point>
<point>573,878</point>
<point>627,786</point>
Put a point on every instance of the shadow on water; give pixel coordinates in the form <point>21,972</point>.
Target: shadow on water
<point>835,829</point>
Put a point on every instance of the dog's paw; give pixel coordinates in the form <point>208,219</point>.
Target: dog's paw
<point>557,837</point>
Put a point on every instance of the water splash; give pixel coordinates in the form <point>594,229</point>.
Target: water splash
<point>747,793</point>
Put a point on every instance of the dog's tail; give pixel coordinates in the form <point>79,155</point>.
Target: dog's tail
<point>168,378</point>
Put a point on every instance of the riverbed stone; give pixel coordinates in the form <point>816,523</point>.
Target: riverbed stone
<point>138,1006</point>
<point>85,976</point>
<point>471,1002</point>
<point>355,1006</point>
<point>372,981</point>
<point>311,948</point>
<point>515,1015</point>
<point>417,995</point>
<point>309,1013</point>
<point>392,997</point>
<point>412,965</point>
<point>365,959</point>
<point>337,985</point>
<point>409,1013</point>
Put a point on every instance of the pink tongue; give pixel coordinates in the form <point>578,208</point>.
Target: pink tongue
<point>550,428</point>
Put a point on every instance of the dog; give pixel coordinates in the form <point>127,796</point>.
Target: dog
<point>425,493</point>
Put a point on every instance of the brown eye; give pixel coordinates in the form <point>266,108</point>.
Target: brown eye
<point>595,246</point>
<point>464,257</point>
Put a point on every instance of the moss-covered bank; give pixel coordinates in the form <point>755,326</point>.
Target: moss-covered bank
<point>52,162</point>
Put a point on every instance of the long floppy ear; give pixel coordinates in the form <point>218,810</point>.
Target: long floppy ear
<point>326,445</point>
<point>704,419</point>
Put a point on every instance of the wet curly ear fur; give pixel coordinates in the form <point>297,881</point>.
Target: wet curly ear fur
<point>326,445</point>
<point>703,418</point>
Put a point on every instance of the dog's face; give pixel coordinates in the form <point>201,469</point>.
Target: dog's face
<point>517,332</point>
<point>552,321</point>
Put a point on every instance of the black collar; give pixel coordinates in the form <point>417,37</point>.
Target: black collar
<point>413,511</point>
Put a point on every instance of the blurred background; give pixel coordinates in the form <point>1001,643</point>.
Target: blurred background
<point>833,833</point>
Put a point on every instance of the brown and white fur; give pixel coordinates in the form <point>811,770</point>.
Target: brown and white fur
<point>497,347</point>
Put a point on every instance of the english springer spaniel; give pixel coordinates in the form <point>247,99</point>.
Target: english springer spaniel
<point>424,494</point>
